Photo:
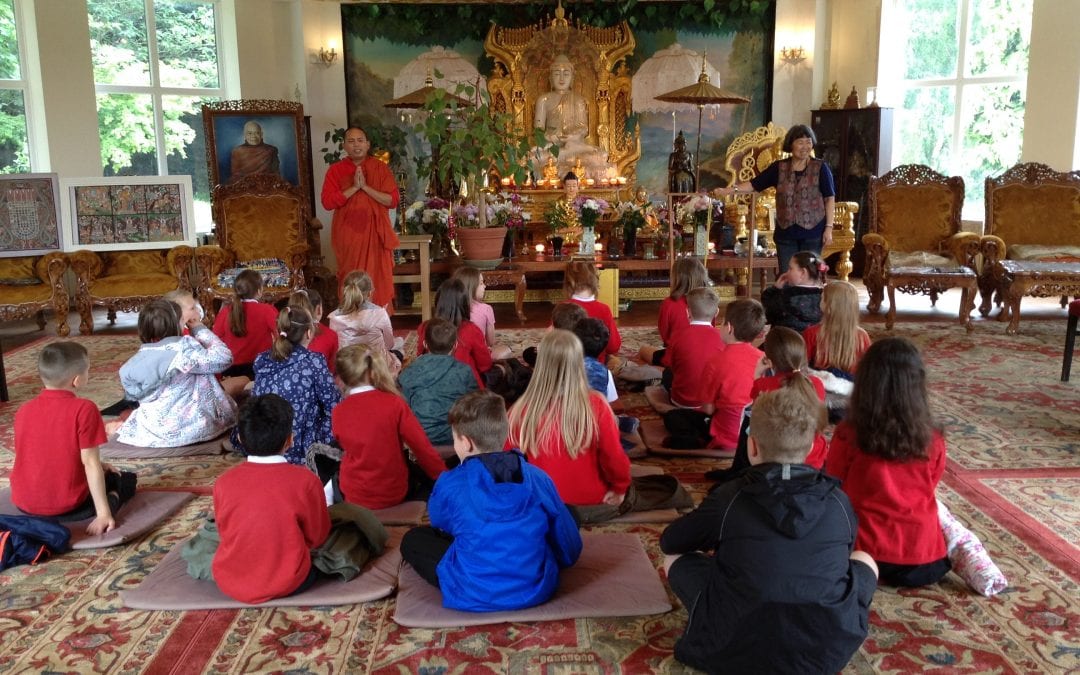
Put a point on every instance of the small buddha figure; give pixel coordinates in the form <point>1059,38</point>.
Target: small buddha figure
<point>564,117</point>
<point>681,168</point>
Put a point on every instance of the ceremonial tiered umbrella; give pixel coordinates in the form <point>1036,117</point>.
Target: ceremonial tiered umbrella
<point>417,99</point>
<point>701,94</point>
<point>674,66</point>
<point>451,69</point>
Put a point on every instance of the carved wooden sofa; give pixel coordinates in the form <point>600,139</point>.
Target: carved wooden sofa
<point>257,217</point>
<point>30,285</point>
<point>1031,236</point>
<point>915,227</point>
<point>749,155</point>
<point>126,280</point>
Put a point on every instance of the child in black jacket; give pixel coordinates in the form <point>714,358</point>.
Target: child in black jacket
<point>779,588</point>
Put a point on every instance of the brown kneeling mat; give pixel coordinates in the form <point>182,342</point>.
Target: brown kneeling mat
<point>114,449</point>
<point>654,432</point>
<point>613,577</point>
<point>139,515</point>
<point>405,513</point>
<point>169,586</point>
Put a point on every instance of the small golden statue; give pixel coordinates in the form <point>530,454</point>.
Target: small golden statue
<point>551,171</point>
<point>832,101</point>
<point>852,102</point>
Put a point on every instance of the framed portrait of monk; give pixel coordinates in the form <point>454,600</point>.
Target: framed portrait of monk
<point>252,137</point>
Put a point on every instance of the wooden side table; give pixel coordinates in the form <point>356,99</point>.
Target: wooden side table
<point>931,281</point>
<point>1017,278</point>
<point>421,243</point>
<point>509,277</point>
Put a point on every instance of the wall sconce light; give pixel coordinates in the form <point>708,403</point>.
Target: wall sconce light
<point>792,55</point>
<point>328,56</point>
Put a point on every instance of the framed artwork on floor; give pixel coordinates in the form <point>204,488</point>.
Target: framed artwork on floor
<point>30,221</point>
<point>128,213</point>
<point>245,138</point>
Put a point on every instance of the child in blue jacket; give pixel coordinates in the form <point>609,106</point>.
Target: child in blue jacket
<point>500,534</point>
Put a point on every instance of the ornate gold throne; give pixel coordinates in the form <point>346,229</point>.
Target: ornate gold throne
<point>749,155</point>
<point>126,280</point>
<point>523,59</point>
<point>915,222</point>
<point>257,217</point>
<point>1032,214</point>
<point>30,285</point>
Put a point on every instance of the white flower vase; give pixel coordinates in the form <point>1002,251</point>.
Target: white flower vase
<point>588,241</point>
<point>701,241</point>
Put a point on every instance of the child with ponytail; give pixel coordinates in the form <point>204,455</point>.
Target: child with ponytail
<point>794,301</point>
<point>481,313</point>
<point>245,325</point>
<point>373,425</point>
<point>325,341</point>
<point>301,377</point>
<point>360,321</point>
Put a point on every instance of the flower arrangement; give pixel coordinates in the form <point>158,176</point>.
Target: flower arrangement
<point>430,217</point>
<point>509,211</point>
<point>632,216</point>
<point>589,209</point>
<point>561,217</point>
<point>697,212</point>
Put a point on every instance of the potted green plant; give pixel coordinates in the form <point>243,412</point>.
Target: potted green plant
<point>469,143</point>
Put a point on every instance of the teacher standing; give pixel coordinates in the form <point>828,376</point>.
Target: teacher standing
<point>361,191</point>
<point>805,196</point>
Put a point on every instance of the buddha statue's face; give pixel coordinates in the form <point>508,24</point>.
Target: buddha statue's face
<point>562,75</point>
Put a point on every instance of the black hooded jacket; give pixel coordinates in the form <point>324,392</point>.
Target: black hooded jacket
<point>783,595</point>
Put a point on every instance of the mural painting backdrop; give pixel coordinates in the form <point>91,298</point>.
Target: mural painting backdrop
<point>668,55</point>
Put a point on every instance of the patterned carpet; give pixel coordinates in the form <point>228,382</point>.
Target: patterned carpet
<point>1013,477</point>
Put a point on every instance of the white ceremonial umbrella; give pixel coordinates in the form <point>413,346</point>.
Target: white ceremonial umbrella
<point>439,66</point>
<point>670,68</point>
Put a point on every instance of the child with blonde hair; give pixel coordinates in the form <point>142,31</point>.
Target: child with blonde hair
<point>570,432</point>
<point>373,425</point>
<point>326,340</point>
<point>688,274</point>
<point>837,343</point>
<point>301,377</point>
<point>245,325</point>
<point>360,321</point>
<point>480,312</point>
<point>173,378</point>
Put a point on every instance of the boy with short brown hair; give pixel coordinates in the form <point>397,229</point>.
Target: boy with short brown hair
<point>58,470</point>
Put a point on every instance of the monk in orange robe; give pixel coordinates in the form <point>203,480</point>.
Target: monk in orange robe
<point>253,156</point>
<point>361,191</point>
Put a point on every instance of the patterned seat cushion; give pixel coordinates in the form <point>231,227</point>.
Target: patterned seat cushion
<point>920,259</point>
<point>127,285</point>
<point>18,295</point>
<point>1034,252</point>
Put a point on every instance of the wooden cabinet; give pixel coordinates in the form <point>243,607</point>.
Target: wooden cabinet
<point>856,144</point>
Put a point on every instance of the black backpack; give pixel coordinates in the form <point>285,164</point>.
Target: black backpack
<point>30,540</point>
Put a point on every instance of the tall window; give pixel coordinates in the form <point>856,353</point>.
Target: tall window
<point>155,63</point>
<point>14,143</point>
<point>961,87</point>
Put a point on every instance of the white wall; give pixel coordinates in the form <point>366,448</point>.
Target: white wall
<point>1052,113</point>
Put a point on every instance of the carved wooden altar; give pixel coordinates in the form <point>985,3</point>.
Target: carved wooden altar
<point>523,58</point>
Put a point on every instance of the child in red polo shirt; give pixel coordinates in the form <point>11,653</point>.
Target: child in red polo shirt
<point>693,346</point>
<point>326,340</point>
<point>889,456</point>
<point>246,326</point>
<point>270,513</point>
<point>58,470</point>
<point>452,304</point>
<point>689,273</point>
<point>582,283</point>
<point>373,424</point>
<point>727,378</point>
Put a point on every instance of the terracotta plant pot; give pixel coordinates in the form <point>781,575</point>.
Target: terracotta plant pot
<point>482,244</point>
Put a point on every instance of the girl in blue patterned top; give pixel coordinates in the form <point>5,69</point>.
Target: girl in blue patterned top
<point>300,376</point>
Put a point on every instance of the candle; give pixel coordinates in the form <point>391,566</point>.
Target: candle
<point>506,182</point>
<point>712,247</point>
<point>598,247</point>
<point>540,249</point>
<point>590,182</point>
<point>604,181</point>
<point>622,180</point>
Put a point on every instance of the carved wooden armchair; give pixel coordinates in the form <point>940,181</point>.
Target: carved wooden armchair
<point>126,280</point>
<point>29,285</point>
<point>749,155</point>
<point>257,217</point>
<point>1032,215</point>
<point>915,223</point>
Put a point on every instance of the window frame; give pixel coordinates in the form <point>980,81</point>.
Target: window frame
<point>891,72</point>
<point>23,11</point>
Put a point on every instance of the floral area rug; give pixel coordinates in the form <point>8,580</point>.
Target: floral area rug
<point>1013,432</point>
